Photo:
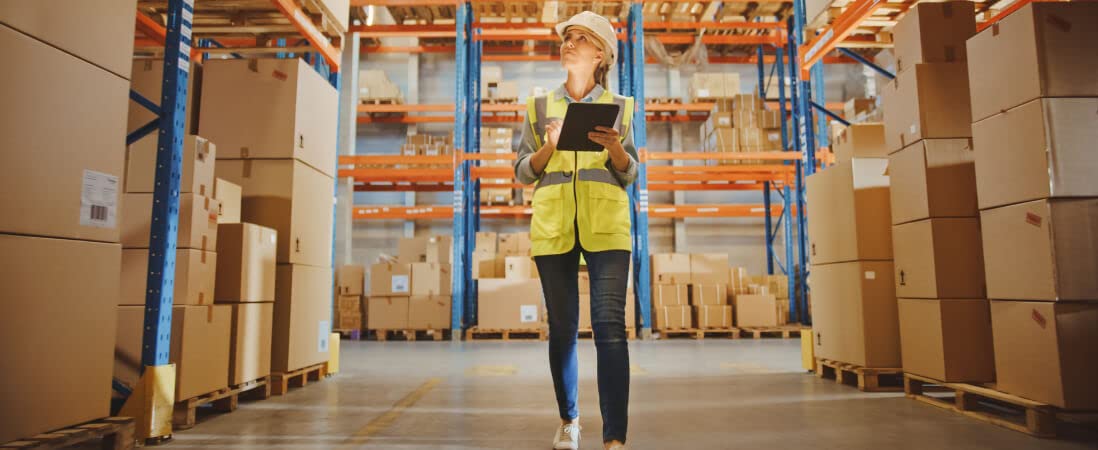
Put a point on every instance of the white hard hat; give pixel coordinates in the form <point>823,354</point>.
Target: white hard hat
<point>598,25</point>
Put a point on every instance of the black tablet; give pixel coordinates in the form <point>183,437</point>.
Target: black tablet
<point>582,118</point>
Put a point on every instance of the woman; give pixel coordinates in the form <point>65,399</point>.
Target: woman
<point>581,208</point>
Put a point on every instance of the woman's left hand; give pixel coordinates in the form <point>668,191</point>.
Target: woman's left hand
<point>609,138</point>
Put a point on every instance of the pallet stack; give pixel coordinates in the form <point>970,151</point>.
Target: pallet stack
<point>64,124</point>
<point>413,292</point>
<point>281,151</point>
<point>509,296</point>
<point>492,87</point>
<point>497,140</point>
<point>428,145</point>
<point>375,87</point>
<point>350,301</point>
<point>762,302</point>
<point>739,123</point>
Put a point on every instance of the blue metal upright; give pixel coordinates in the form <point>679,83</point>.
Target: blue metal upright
<point>633,78</point>
<point>460,280</point>
<point>804,139</point>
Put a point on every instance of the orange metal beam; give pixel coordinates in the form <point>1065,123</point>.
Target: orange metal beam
<point>441,212</point>
<point>360,160</point>
<point>403,108</point>
<point>706,156</point>
<point>355,3</point>
<point>823,43</point>
<point>705,187</point>
<point>682,211</point>
<point>758,169</point>
<point>152,30</point>
<point>688,107</point>
<point>305,26</point>
<point>715,25</point>
<point>1006,12</point>
<point>709,39</point>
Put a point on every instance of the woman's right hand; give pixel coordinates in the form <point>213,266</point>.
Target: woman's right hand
<point>552,132</point>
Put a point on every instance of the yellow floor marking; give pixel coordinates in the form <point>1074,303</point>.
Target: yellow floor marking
<point>380,423</point>
<point>491,371</point>
<point>637,370</point>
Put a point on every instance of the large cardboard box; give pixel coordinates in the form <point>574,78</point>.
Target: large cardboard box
<point>245,263</point>
<point>228,196</point>
<point>670,295</point>
<point>947,340</point>
<point>509,304</point>
<point>854,313</point>
<point>195,277</point>
<point>387,313</point>
<point>199,349</point>
<point>1041,149</point>
<point>708,294</point>
<point>1041,50</point>
<point>939,258</point>
<point>520,267</point>
<point>81,166</point>
<point>106,42</point>
<point>349,313</point>
<point>1045,351</point>
<point>933,33</point>
<point>197,174</point>
<point>429,279</point>
<point>59,302</point>
<point>673,317</point>
<point>434,249</point>
<point>147,80</point>
<point>429,313</point>
<point>926,101</point>
<point>860,140</point>
<point>388,279</point>
<point>350,279</point>
<point>292,198</point>
<point>713,316</point>
<point>671,268</point>
<point>757,311</point>
<point>297,118</point>
<point>1042,250</point>
<point>487,241</point>
<point>250,343</point>
<point>708,268</point>
<point>514,244</point>
<point>933,178</point>
<point>849,219</point>
<point>487,265</point>
<point>302,317</point>
<point>197,226</point>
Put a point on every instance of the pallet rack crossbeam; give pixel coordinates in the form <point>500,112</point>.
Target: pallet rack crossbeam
<point>828,113</point>
<point>866,62</point>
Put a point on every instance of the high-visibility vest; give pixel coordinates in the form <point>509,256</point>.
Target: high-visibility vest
<point>576,188</point>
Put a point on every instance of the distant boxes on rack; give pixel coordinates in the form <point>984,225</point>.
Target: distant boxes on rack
<point>714,85</point>
<point>933,33</point>
<point>197,172</point>
<point>195,277</point>
<point>197,226</point>
<point>856,109</point>
<point>349,312</point>
<point>228,196</point>
<point>246,260</point>
<point>434,249</point>
<point>487,241</point>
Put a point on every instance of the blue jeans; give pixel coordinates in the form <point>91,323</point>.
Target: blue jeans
<point>609,271</point>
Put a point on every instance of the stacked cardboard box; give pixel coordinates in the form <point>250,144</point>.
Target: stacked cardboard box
<point>246,266</point>
<point>945,329</point>
<point>281,152</point>
<point>741,124</point>
<point>412,293</point>
<point>709,280</point>
<point>584,282</point>
<point>671,291</point>
<point>495,140</point>
<point>499,257</point>
<point>1034,133</point>
<point>374,85</point>
<point>59,237</point>
<point>349,308</point>
<point>712,86</point>
<point>861,110</point>
<point>492,86</point>
<point>427,145</point>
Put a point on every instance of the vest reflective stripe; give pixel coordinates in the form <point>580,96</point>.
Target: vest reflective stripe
<point>552,178</point>
<point>598,176</point>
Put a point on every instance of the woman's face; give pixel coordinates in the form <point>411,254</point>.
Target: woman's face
<point>580,49</point>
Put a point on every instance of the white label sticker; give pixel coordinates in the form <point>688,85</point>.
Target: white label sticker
<point>273,239</point>
<point>323,333</point>
<point>703,92</point>
<point>870,275</point>
<point>913,128</point>
<point>99,200</point>
<point>528,313</point>
<point>399,284</point>
<point>724,121</point>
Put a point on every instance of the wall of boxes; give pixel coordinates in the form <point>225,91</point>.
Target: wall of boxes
<point>702,291</point>
<point>409,292</point>
<point>739,123</point>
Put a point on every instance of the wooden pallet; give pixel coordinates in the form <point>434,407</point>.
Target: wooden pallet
<point>528,334</point>
<point>381,101</point>
<point>282,382</point>
<point>112,432</point>
<point>587,333</point>
<point>784,331</point>
<point>408,335</point>
<point>700,333</point>
<point>224,400</point>
<point>864,378</point>
<point>986,404</point>
<point>354,335</point>
<point>499,101</point>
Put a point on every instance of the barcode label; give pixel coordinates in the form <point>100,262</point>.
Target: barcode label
<point>98,200</point>
<point>98,212</point>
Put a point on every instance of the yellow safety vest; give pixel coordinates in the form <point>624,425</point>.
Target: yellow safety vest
<point>577,188</point>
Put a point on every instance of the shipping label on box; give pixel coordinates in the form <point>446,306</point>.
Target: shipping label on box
<point>389,279</point>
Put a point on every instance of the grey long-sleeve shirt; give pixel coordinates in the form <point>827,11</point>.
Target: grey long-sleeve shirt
<point>524,172</point>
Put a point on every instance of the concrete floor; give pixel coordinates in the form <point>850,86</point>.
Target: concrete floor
<point>713,394</point>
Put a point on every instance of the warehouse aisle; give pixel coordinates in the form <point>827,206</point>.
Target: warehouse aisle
<point>712,394</point>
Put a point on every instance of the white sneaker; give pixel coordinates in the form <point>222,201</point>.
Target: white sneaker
<point>618,447</point>
<point>567,438</point>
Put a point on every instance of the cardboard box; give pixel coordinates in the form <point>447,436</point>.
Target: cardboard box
<point>860,140</point>
<point>713,316</point>
<point>199,350</point>
<point>487,241</point>
<point>1041,149</point>
<point>292,198</point>
<point>429,279</point>
<point>59,301</point>
<point>673,317</point>
<point>671,268</point>
<point>757,311</point>
<point>670,295</point>
<point>147,79</point>
<point>773,140</point>
<point>297,118</point>
<point>197,173</point>
<point>723,140</point>
<point>228,196</point>
<point>770,119</point>
<point>246,255</point>
<point>387,313</point>
<point>583,279</point>
<point>520,267</point>
<point>708,268</point>
<point>195,277</point>
<point>1041,50</point>
<point>514,244</point>
<point>933,178</point>
<point>83,165</point>
<point>1042,250</point>
<point>746,102</point>
<point>250,342</point>
<point>933,33</point>
<point>491,74</point>
<point>947,340</point>
<point>350,279</point>
<point>926,101</point>
<point>1045,352</point>
<point>487,265</point>
<point>507,90</point>
<point>349,313</point>
<point>388,279</point>
<point>106,43</point>
<point>708,294</point>
<point>197,227</point>
<point>339,11</point>
<point>745,119</point>
<point>434,249</point>
<point>857,106</point>
<point>854,313</point>
<point>850,217</point>
<point>939,258</point>
<point>302,317</point>
<point>509,304</point>
<point>585,312</point>
<point>429,313</point>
